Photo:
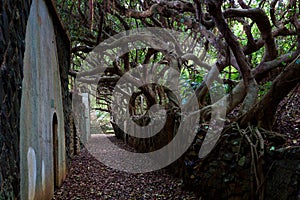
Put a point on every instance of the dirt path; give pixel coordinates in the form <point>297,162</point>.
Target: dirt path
<point>90,179</point>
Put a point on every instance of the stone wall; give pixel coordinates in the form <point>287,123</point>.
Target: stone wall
<point>13,20</point>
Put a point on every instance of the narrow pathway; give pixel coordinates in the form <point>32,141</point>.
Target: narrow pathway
<point>90,179</point>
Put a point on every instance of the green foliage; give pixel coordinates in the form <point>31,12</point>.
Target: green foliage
<point>231,73</point>
<point>257,56</point>
<point>115,20</point>
<point>190,79</point>
<point>263,89</point>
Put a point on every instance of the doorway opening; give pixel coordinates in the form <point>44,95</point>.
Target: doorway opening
<point>55,150</point>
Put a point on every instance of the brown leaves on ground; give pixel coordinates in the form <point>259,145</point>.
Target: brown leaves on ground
<point>288,118</point>
<point>90,179</point>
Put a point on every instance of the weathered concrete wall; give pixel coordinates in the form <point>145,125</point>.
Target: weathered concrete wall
<point>86,102</point>
<point>81,110</point>
<point>64,54</point>
<point>41,100</point>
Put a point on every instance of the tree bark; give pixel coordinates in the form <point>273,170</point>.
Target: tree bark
<point>263,113</point>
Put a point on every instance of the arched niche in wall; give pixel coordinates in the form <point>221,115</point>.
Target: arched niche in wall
<point>55,149</point>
